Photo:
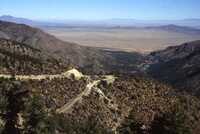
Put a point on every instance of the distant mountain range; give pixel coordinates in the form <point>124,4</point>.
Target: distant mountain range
<point>103,23</point>
<point>174,65</point>
<point>91,60</point>
<point>124,101</point>
<point>127,101</point>
<point>176,28</point>
<point>17,20</point>
<point>142,23</point>
<point>29,22</point>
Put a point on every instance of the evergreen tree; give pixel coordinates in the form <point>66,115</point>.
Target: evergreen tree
<point>170,123</point>
<point>14,96</point>
<point>37,119</point>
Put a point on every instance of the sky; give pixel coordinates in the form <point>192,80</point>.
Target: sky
<point>101,9</point>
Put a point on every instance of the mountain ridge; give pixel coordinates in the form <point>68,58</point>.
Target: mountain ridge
<point>105,104</point>
<point>91,60</point>
<point>123,22</point>
<point>178,66</point>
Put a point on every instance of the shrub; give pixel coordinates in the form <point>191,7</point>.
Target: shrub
<point>170,123</point>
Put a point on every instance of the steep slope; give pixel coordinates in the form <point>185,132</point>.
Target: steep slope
<point>89,59</point>
<point>114,106</point>
<point>179,66</point>
<point>93,104</point>
<point>20,58</point>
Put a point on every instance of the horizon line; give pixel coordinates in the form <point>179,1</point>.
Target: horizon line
<point>100,19</point>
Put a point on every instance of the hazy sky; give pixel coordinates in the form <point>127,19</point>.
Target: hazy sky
<point>101,9</point>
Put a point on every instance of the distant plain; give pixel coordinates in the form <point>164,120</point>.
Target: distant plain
<point>123,39</point>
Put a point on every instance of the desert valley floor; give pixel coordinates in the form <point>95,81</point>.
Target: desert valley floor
<point>126,39</point>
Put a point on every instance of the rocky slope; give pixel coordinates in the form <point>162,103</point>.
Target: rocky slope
<point>95,103</point>
<point>20,58</point>
<point>178,66</point>
<point>89,59</point>
<point>125,106</point>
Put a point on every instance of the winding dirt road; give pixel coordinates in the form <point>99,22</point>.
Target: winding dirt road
<point>77,75</point>
<point>66,108</point>
<point>68,74</point>
<point>92,85</point>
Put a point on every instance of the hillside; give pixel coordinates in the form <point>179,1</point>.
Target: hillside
<point>90,60</point>
<point>174,65</point>
<point>46,97</point>
<point>179,66</point>
<point>103,105</point>
<point>20,58</point>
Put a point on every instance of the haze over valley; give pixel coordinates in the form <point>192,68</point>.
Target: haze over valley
<point>67,67</point>
<point>119,34</point>
<point>123,39</point>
